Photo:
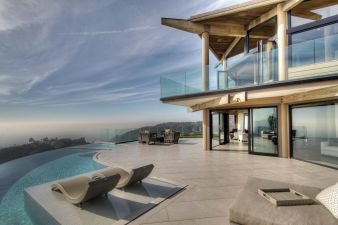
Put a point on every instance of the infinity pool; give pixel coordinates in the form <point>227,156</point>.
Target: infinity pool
<point>19,174</point>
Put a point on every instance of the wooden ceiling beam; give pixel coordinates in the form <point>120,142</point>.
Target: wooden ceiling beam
<point>184,25</point>
<point>231,46</point>
<point>322,93</point>
<point>224,100</point>
<point>197,28</point>
<point>291,4</point>
<point>212,50</point>
<point>263,18</point>
<point>313,5</point>
<point>228,51</point>
<point>268,101</point>
<point>306,14</point>
<point>227,99</point>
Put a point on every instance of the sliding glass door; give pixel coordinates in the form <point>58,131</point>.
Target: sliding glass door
<point>315,133</point>
<point>215,130</point>
<point>223,128</point>
<point>263,131</point>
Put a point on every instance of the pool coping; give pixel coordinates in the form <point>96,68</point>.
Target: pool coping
<point>153,202</point>
<point>157,207</point>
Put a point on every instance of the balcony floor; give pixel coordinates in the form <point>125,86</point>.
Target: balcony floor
<point>214,178</point>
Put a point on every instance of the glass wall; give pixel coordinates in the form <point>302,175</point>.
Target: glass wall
<point>259,63</point>
<point>314,46</point>
<point>264,131</point>
<point>232,122</point>
<point>264,32</point>
<point>313,33</point>
<point>215,129</point>
<point>222,128</point>
<point>315,133</point>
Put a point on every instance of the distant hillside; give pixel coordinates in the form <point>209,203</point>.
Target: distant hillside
<point>33,147</point>
<point>189,129</point>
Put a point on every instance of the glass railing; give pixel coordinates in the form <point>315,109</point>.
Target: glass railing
<point>251,69</point>
<point>259,68</point>
<point>119,136</point>
<point>173,87</point>
<point>126,135</point>
<point>315,51</point>
<point>188,82</point>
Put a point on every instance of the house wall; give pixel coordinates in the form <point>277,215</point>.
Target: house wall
<point>313,70</point>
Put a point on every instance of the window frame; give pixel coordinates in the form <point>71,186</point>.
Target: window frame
<point>306,27</point>
<point>306,105</point>
<point>312,25</point>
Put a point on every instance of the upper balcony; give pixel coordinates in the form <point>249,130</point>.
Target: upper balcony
<point>314,58</point>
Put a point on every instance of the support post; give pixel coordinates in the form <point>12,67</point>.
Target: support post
<point>225,73</point>
<point>283,135</point>
<point>282,24</point>
<point>224,64</point>
<point>205,61</point>
<point>206,129</point>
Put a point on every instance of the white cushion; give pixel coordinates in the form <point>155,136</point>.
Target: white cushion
<point>329,198</point>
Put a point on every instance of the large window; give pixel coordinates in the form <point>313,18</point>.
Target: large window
<point>313,33</point>
<point>315,46</point>
<point>262,46</point>
<point>315,133</point>
<point>215,129</point>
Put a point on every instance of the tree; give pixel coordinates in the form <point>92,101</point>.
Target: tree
<point>31,140</point>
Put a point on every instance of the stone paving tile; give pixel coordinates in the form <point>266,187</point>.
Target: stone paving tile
<point>205,221</point>
<point>209,193</point>
<point>161,216</point>
<point>214,178</point>
<point>198,209</point>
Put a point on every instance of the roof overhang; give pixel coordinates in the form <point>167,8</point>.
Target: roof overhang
<point>267,92</point>
<point>227,26</point>
<point>235,10</point>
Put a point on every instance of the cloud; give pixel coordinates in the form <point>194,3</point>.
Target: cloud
<point>133,29</point>
<point>218,4</point>
<point>85,52</point>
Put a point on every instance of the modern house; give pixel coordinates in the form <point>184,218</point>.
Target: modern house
<point>274,90</point>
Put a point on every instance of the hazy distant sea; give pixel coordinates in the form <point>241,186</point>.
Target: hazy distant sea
<point>19,133</point>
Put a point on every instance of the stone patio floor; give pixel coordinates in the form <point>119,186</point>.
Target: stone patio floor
<point>214,178</point>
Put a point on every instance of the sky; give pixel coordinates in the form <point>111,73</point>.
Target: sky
<point>92,62</point>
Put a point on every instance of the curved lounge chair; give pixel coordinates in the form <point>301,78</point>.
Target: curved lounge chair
<point>81,189</point>
<point>127,177</point>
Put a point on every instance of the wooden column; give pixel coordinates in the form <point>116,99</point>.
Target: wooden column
<point>283,134</point>
<point>282,24</point>
<point>225,65</point>
<point>206,129</point>
<point>205,61</point>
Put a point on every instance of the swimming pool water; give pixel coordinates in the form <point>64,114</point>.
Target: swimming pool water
<point>12,209</point>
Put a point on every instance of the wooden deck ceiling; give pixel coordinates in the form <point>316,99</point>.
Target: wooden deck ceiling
<point>228,26</point>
